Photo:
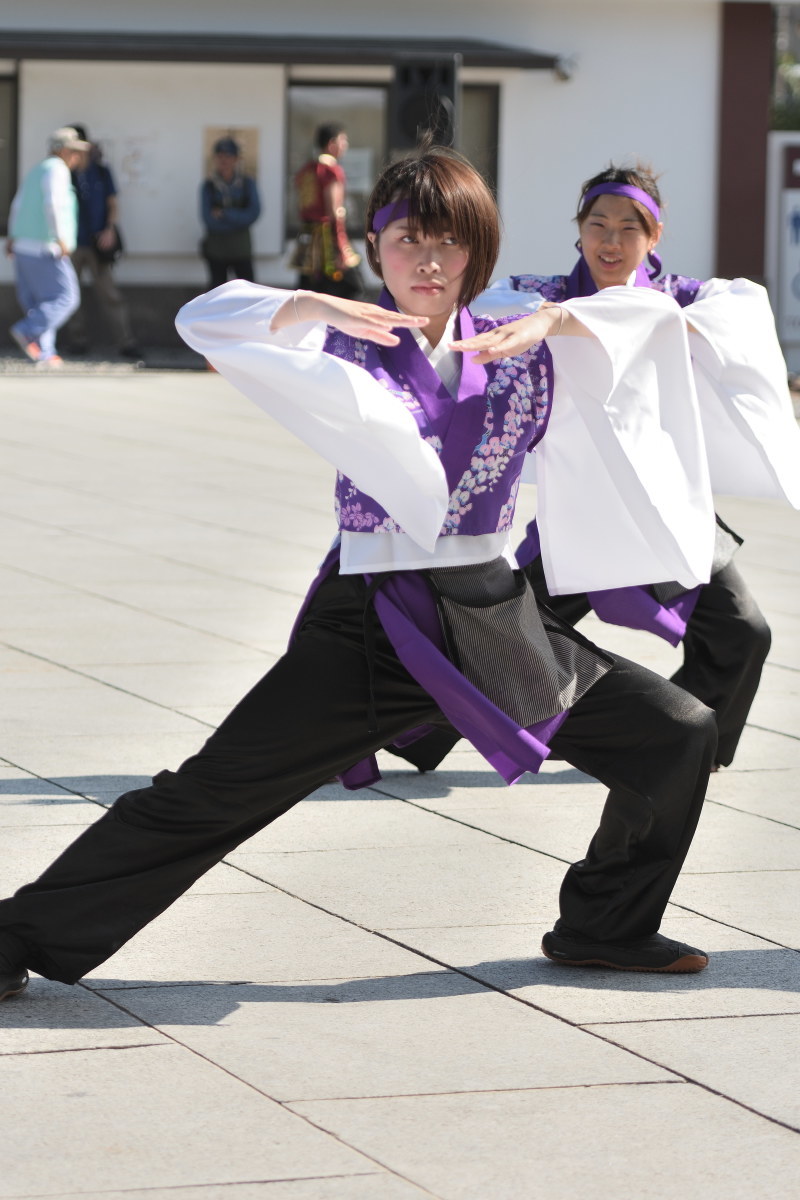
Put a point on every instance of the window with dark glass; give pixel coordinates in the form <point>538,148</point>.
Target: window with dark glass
<point>8,148</point>
<point>362,110</point>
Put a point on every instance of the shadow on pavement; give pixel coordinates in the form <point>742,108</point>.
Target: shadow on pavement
<point>50,1005</point>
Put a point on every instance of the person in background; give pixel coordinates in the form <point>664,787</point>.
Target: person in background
<point>43,230</point>
<point>323,256</point>
<point>97,249</point>
<point>751,443</point>
<point>725,637</point>
<point>229,206</point>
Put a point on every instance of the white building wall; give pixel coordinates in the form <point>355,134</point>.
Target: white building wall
<point>644,83</point>
<point>150,118</point>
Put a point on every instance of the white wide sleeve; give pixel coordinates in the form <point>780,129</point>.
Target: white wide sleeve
<point>502,300</point>
<point>624,497</point>
<point>334,407</point>
<point>752,437</point>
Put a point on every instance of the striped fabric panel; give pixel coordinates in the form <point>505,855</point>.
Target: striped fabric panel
<point>665,592</point>
<point>493,623</point>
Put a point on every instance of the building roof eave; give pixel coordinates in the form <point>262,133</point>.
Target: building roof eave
<point>263,48</point>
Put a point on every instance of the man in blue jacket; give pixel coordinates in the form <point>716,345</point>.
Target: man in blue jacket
<point>229,205</point>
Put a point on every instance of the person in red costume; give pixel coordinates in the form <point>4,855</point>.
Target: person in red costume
<point>325,259</point>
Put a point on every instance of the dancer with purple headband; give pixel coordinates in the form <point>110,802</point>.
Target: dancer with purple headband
<point>751,437</point>
<point>418,616</point>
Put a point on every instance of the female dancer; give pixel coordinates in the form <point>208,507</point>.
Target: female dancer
<point>750,433</point>
<point>417,614</point>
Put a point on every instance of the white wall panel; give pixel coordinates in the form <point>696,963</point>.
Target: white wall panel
<point>150,119</point>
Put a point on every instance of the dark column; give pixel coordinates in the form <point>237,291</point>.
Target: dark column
<point>746,87</point>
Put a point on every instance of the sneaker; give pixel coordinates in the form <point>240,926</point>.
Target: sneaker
<point>53,363</point>
<point>654,953</point>
<point>31,349</point>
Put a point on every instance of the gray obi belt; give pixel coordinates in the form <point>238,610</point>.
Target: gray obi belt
<point>503,670</point>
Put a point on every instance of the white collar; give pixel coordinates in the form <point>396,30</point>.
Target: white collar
<point>435,354</point>
<point>446,363</point>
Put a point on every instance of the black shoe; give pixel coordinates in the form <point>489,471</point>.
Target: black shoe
<point>131,351</point>
<point>654,953</point>
<point>13,982</point>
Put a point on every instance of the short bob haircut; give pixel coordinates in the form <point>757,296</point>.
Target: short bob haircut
<point>639,176</point>
<point>446,194</point>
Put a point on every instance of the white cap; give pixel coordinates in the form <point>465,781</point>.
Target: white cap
<point>66,138</point>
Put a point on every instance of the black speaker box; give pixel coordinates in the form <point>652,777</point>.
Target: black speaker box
<point>424,96</point>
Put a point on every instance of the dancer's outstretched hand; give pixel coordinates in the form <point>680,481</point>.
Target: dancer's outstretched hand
<point>550,320</point>
<point>356,317</point>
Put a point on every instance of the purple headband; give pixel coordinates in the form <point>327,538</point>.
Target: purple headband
<point>622,189</point>
<point>633,193</point>
<point>394,211</point>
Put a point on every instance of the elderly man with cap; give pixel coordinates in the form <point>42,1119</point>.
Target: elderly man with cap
<point>229,205</point>
<point>43,230</point>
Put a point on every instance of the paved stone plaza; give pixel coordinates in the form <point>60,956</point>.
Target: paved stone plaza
<point>353,1005</point>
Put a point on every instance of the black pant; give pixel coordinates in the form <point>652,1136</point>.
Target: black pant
<point>726,643</point>
<point>306,720</point>
<point>220,270</point>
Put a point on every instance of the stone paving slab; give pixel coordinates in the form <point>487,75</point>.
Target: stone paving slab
<point>223,683</point>
<point>422,1032</point>
<point>27,850</point>
<point>372,942</point>
<point>339,1187</point>
<point>126,1102</point>
<point>103,632</point>
<point>769,793</point>
<point>57,1018</point>
<point>560,818</point>
<point>260,936</point>
<point>761,902</point>
<point>747,976</point>
<point>92,709</point>
<point>390,887</point>
<point>750,1057</point>
<point>60,553</point>
<point>655,1140</point>
<point>32,811</point>
<point>26,800</point>
<point>727,840</point>
<point>777,703</point>
<point>765,750</point>
<point>334,819</point>
<point>89,756</point>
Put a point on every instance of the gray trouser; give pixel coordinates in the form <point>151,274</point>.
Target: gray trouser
<point>84,259</point>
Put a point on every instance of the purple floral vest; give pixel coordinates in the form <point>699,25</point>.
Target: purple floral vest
<point>481,436</point>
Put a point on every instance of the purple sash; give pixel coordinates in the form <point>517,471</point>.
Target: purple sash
<point>637,608</point>
<point>407,611</point>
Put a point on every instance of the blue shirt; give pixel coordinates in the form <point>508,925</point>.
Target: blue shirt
<point>94,185</point>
